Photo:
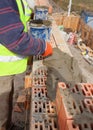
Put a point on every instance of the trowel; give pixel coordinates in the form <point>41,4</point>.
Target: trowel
<point>55,70</point>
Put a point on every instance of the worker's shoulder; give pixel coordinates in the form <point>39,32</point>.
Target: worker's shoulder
<point>5,4</point>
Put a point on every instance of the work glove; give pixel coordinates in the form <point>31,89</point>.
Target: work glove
<point>48,50</point>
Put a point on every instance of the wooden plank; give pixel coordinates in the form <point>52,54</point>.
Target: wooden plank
<point>59,39</point>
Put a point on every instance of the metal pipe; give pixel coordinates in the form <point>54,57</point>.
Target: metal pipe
<point>69,7</point>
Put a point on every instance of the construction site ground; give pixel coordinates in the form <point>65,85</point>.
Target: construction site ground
<point>86,68</point>
<point>83,71</point>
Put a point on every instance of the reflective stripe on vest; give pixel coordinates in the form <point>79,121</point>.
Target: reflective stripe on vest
<point>27,9</point>
<point>10,58</point>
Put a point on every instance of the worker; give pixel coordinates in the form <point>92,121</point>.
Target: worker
<point>15,46</point>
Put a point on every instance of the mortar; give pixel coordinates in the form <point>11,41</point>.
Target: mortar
<point>40,29</point>
<point>41,12</point>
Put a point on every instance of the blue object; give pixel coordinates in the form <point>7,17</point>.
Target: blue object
<point>41,12</point>
<point>42,31</point>
<point>87,16</point>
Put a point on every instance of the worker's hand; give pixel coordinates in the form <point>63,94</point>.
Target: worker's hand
<point>48,50</point>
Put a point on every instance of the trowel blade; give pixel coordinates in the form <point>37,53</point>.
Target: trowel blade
<point>54,76</point>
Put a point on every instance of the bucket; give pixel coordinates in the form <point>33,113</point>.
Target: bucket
<point>41,12</point>
<point>40,29</point>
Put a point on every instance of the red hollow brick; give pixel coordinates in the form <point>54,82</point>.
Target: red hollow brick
<point>28,81</point>
<point>39,81</point>
<point>76,89</point>
<point>87,89</point>
<point>71,126</point>
<point>63,116</point>
<point>42,71</point>
<point>43,107</point>
<point>61,86</point>
<point>84,89</point>
<point>43,123</point>
<point>85,126</point>
<point>89,104</point>
<point>39,93</point>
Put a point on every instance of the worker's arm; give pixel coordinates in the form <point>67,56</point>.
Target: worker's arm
<point>12,35</point>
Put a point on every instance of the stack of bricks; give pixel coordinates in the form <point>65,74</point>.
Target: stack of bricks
<point>43,114</point>
<point>43,111</point>
<point>39,72</point>
<point>75,106</point>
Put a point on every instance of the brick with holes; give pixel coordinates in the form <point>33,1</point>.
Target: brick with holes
<point>43,122</point>
<point>39,81</point>
<point>87,89</point>
<point>62,88</point>
<point>39,93</point>
<point>43,107</point>
<point>71,126</point>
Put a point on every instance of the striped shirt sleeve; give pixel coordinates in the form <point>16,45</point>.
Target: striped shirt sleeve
<point>12,34</point>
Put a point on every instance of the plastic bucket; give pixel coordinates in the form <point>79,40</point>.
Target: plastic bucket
<point>40,29</point>
<point>41,12</point>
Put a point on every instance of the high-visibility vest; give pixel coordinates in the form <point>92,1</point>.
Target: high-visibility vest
<point>11,63</point>
<point>25,12</point>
